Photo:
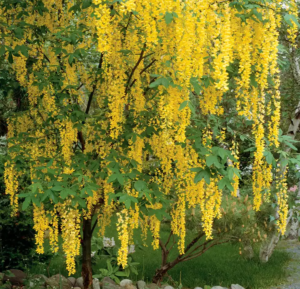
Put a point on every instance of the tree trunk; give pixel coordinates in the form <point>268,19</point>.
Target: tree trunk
<point>162,271</point>
<point>86,254</point>
<point>268,247</point>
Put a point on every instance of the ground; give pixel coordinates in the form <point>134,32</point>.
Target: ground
<point>293,266</point>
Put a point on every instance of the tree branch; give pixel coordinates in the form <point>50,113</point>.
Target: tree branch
<point>187,258</point>
<point>94,86</point>
<point>134,68</point>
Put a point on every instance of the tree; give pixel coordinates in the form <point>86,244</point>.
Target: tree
<point>122,115</point>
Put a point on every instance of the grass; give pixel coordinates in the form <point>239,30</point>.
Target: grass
<point>221,265</point>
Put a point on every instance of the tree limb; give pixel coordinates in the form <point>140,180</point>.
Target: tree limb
<point>134,68</point>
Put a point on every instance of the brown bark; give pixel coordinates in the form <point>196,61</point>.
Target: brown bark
<point>86,254</point>
<point>162,271</point>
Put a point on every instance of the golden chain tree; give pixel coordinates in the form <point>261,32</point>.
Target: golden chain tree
<point>110,127</point>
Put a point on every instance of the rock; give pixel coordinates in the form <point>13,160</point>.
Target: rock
<point>141,284</point>
<point>72,281</point>
<point>108,280</point>
<point>17,279</point>
<point>169,287</point>
<point>108,283</point>
<point>129,286</point>
<point>125,282</point>
<point>58,282</point>
<point>38,280</point>
<point>96,284</point>
<point>198,288</point>
<point>152,286</point>
<point>79,283</point>
<point>248,252</point>
<point>76,288</point>
<point>236,286</point>
<point>293,232</point>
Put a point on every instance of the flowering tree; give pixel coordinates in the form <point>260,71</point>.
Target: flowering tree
<point>123,102</point>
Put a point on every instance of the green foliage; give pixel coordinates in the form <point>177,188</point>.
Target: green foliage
<point>112,270</point>
<point>17,243</point>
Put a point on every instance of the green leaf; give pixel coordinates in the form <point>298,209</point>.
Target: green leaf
<point>156,83</point>
<point>112,178</point>
<point>269,157</point>
<point>57,188</point>
<point>66,192</point>
<point>71,58</point>
<point>213,160</point>
<point>80,201</point>
<point>121,274</point>
<point>10,57</point>
<point>253,81</point>
<point>140,185</point>
<point>165,82</point>
<point>204,174</point>
<point>225,182</point>
<point>2,50</point>
<point>169,17</point>
<point>196,85</point>
<point>289,19</point>
<point>53,197</point>
<point>192,108</point>
<point>120,179</point>
<point>86,4</point>
<point>183,105</point>
<point>26,203</point>
<point>35,186</point>
<point>290,145</point>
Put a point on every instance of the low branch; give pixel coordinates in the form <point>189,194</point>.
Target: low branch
<point>202,252</point>
<point>134,68</point>
<point>169,238</point>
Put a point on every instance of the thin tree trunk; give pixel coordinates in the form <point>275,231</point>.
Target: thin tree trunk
<point>86,254</point>
<point>162,271</point>
<point>267,248</point>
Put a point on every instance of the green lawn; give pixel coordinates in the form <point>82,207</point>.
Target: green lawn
<point>221,265</point>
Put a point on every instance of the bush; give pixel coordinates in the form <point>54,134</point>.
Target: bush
<point>17,242</point>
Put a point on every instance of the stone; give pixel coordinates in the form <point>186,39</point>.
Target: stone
<point>293,232</point>
<point>58,282</point>
<point>72,281</point>
<point>129,286</point>
<point>96,284</point>
<point>76,288</point>
<point>17,279</point>
<point>169,287</point>
<point>108,283</point>
<point>152,286</point>
<point>236,286</point>
<point>125,282</point>
<point>108,280</point>
<point>141,284</point>
<point>79,283</point>
<point>38,280</point>
<point>198,288</point>
<point>248,252</point>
